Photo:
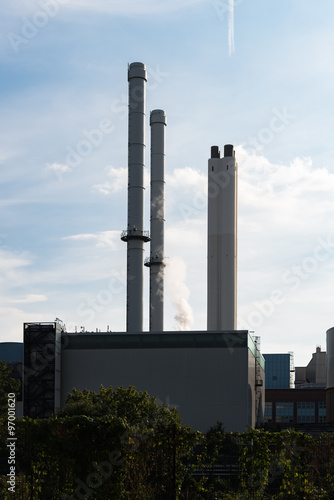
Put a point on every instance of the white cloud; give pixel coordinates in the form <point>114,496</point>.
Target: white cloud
<point>182,235</point>
<point>81,237</point>
<point>11,265</point>
<point>118,181</point>
<point>59,170</point>
<point>131,7</point>
<point>108,239</point>
<point>284,211</point>
<point>17,279</point>
<point>102,239</point>
<point>187,178</point>
<point>21,7</point>
<point>28,299</point>
<point>10,260</point>
<point>186,194</point>
<point>283,208</point>
<point>285,244</point>
<point>294,198</point>
<point>105,188</point>
<point>4,155</point>
<point>11,323</point>
<point>58,167</point>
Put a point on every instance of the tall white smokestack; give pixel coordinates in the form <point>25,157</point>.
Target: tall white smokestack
<point>158,123</point>
<point>222,240</point>
<point>135,236</point>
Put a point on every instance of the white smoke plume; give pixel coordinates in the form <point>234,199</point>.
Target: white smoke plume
<point>157,206</point>
<point>176,273</point>
<point>230,26</point>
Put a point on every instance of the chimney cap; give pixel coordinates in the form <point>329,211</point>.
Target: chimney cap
<point>158,116</point>
<point>229,150</point>
<point>137,70</point>
<point>215,152</point>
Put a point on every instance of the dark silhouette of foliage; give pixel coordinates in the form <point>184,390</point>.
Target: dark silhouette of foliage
<point>126,446</point>
<point>136,407</point>
<point>8,385</point>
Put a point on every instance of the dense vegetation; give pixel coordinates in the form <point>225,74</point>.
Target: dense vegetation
<point>120,444</point>
<point>8,385</point>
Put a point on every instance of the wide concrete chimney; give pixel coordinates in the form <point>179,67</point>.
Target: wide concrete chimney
<point>222,240</point>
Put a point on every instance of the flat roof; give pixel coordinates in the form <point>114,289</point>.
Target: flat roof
<point>231,340</point>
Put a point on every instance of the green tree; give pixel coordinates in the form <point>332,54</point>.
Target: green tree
<point>8,385</point>
<point>155,447</point>
<point>135,407</point>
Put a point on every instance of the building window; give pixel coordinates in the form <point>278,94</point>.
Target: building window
<point>277,371</point>
<point>284,413</point>
<point>322,411</point>
<point>305,412</point>
<point>268,412</point>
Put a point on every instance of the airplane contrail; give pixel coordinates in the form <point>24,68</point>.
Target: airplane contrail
<point>231,27</point>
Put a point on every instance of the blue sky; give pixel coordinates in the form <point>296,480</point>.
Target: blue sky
<point>64,76</point>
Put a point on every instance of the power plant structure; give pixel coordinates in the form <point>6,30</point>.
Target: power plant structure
<point>158,122</point>
<point>135,235</point>
<point>222,239</point>
<point>210,375</point>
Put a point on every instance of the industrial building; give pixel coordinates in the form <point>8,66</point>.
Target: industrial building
<point>314,374</point>
<point>302,404</point>
<point>218,374</point>
<point>208,375</point>
<point>279,371</point>
<point>295,407</point>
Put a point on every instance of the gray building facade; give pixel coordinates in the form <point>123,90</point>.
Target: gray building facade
<point>314,374</point>
<point>207,376</point>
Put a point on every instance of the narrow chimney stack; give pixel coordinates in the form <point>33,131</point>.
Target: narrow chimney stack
<point>156,264</point>
<point>135,236</point>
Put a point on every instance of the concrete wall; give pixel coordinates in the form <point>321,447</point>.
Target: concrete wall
<point>222,243</point>
<point>300,375</point>
<point>205,384</point>
<point>316,369</point>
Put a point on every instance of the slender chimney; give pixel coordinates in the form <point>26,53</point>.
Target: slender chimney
<point>222,240</point>
<point>158,123</point>
<point>135,236</point>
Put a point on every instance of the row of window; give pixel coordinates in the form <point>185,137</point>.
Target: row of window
<point>307,404</point>
<point>285,412</point>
